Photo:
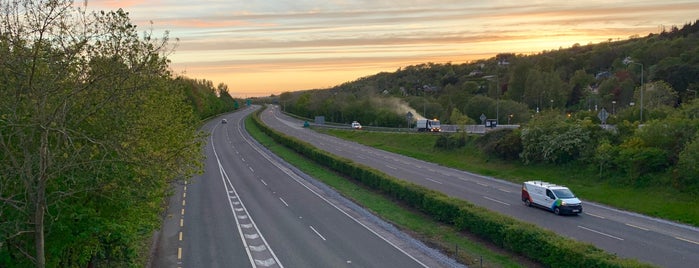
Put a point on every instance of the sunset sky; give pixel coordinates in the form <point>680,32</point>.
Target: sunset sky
<point>263,47</point>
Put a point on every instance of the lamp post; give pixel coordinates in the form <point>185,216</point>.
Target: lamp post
<point>497,93</point>
<point>628,61</point>
<point>613,103</point>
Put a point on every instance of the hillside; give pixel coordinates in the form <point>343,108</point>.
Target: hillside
<point>556,96</point>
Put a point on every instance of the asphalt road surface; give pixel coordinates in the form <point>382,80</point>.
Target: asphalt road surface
<point>629,235</point>
<point>251,209</point>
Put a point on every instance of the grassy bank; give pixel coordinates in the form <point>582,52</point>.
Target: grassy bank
<point>653,201</point>
<point>445,238</point>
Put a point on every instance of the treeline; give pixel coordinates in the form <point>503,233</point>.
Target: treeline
<point>512,87</point>
<point>205,99</point>
<point>93,129</point>
<point>646,86</point>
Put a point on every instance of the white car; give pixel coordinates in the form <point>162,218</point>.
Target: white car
<point>224,121</point>
<point>356,125</point>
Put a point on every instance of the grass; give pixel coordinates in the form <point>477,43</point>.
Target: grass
<point>653,200</point>
<point>470,250</point>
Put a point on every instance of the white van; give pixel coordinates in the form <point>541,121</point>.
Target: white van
<point>556,198</point>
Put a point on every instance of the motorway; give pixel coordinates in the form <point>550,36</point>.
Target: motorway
<point>251,209</point>
<point>629,235</point>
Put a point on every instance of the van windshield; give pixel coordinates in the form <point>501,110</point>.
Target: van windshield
<point>563,193</point>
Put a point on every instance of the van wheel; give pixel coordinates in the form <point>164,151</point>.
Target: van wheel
<point>557,211</point>
<point>527,202</point>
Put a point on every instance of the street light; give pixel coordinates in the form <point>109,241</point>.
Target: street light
<point>613,103</point>
<point>628,61</point>
<point>497,92</point>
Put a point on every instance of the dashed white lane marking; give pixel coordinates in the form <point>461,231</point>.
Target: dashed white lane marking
<point>435,181</point>
<point>283,201</point>
<point>392,167</point>
<point>496,201</point>
<point>315,231</point>
<point>263,182</point>
<point>637,227</point>
<point>594,215</point>
<point>598,232</point>
<point>686,240</point>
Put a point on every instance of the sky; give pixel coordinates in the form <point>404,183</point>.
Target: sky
<point>265,47</point>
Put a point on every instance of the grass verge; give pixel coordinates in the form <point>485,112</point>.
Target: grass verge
<point>467,250</point>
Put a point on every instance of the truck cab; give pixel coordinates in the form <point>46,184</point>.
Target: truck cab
<point>556,198</point>
<point>427,125</point>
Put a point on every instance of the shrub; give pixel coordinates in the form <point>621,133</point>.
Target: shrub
<point>504,143</point>
<point>450,142</point>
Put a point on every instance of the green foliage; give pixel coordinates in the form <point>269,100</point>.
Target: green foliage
<point>670,135</point>
<point>549,138</point>
<point>604,155</point>
<point>457,118</point>
<point>206,100</point>
<point>658,94</point>
<point>687,177</point>
<point>504,143</point>
<point>451,142</point>
<point>635,159</point>
<point>92,131</point>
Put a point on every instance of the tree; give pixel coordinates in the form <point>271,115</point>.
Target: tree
<point>457,118</point>
<point>579,83</point>
<point>91,132</point>
<point>658,94</point>
<point>687,168</point>
<point>549,138</point>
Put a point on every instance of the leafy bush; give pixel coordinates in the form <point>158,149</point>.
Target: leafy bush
<point>552,139</point>
<point>450,142</point>
<point>687,169</point>
<point>504,143</point>
<point>637,159</point>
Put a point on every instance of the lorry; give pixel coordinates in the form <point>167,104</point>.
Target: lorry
<point>556,198</point>
<point>425,125</point>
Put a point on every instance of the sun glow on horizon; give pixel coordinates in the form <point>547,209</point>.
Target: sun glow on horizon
<point>259,48</point>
